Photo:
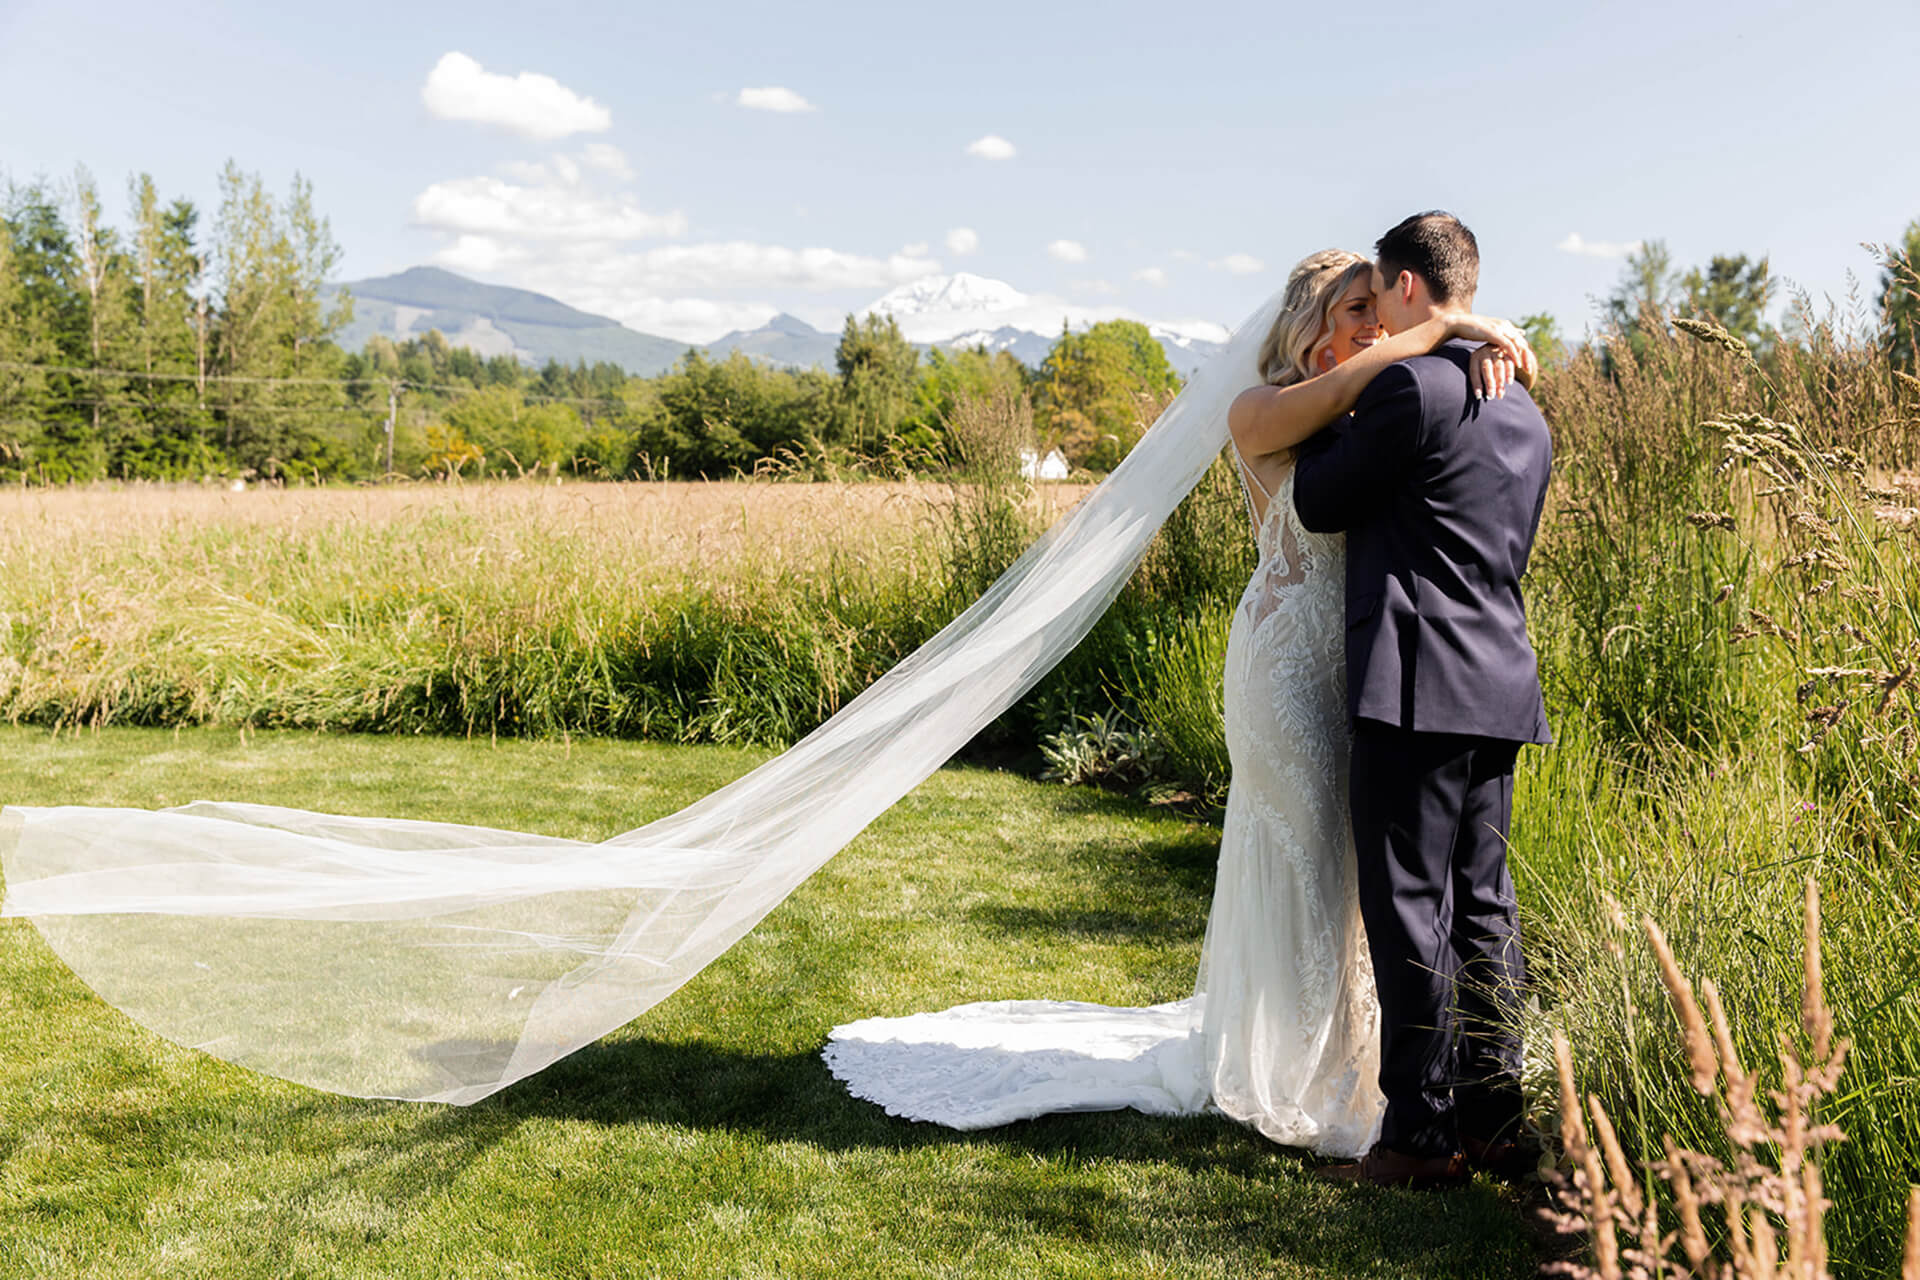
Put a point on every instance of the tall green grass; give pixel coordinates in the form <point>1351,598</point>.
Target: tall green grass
<point>1726,611</point>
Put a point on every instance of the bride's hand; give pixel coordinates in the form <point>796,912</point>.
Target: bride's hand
<point>1504,357</point>
<point>1490,369</point>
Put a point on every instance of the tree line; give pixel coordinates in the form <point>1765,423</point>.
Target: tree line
<point>177,348</point>
<point>171,348</point>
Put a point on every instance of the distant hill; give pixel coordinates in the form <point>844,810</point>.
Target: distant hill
<point>939,311</point>
<point>785,340</point>
<point>493,320</point>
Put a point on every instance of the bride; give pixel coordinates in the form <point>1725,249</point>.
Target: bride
<point>442,962</point>
<point>1281,1033</point>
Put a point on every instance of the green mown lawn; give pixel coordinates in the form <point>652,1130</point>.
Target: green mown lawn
<point>705,1139</point>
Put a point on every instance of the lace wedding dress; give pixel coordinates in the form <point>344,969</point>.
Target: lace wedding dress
<point>1282,1032</point>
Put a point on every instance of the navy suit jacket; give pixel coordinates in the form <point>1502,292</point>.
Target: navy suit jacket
<point>1439,495</point>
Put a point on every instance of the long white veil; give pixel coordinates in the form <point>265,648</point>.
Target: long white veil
<point>436,962</point>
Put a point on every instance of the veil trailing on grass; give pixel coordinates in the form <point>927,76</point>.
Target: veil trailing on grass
<point>430,961</point>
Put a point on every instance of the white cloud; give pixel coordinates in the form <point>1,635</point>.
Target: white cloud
<point>551,210</point>
<point>668,290</point>
<point>530,171</point>
<point>693,320</point>
<point>480,255</point>
<point>738,264</point>
<point>1596,248</point>
<point>1097,288</point>
<point>1185,255</point>
<point>991,147</point>
<point>1240,264</point>
<point>1151,275</point>
<point>535,106</point>
<point>1067,251</point>
<point>962,307</point>
<point>918,249</point>
<point>962,240</point>
<point>608,159</point>
<point>774,98</point>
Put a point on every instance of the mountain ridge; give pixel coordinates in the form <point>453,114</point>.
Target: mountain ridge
<point>960,310</point>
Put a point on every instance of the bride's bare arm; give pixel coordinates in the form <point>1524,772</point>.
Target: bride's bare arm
<point>1268,419</point>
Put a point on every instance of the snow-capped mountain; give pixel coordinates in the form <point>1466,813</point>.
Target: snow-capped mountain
<point>1190,346</point>
<point>952,311</point>
<point>934,298</point>
<point>965,310</point>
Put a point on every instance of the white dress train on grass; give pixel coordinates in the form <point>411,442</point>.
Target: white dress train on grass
<point>1282,1031</point>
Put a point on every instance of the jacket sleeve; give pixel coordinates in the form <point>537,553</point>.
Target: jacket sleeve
<point>1346,473</point>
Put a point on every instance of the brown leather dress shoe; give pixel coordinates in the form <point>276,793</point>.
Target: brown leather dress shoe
<point>1385,1167</point>
<point>1504,1158</point>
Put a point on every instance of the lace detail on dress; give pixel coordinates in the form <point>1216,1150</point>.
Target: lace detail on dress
<point>1292,1019</point>
<point>1283,1031</point>
<point>1286,553</point>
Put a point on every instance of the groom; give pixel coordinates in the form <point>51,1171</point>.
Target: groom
<point>1439,494</point>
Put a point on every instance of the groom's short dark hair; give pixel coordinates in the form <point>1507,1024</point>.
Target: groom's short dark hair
<point>1437,247</point>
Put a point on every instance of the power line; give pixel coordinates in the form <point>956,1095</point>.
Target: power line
<point>180,410</point>
<point>231,379</point>
<point>185,377</point>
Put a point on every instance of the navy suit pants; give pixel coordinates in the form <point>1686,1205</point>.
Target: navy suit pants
<point>1430,815</point>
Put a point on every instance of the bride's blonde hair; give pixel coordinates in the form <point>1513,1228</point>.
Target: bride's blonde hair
<point>1305,324</point>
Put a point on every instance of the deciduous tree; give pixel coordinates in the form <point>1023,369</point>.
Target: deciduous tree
<point>1092,388</point>
<point>104,282</point>
<point>1543,335</point>
<point>1647,289</point>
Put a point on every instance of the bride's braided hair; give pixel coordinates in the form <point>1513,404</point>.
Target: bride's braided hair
<point>1305,321</point>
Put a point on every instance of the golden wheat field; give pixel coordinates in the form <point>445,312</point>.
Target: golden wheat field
<point>342,608</point>
<point>678,526</point>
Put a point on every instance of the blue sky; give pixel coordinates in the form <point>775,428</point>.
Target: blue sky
<point>1167,161</point>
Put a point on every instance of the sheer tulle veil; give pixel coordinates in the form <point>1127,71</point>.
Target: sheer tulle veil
<point>431,961</point>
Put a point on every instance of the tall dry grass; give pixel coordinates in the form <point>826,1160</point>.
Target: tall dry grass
<point>676,611</point>
<point>1764,1192</point>
<point>1725,602</point>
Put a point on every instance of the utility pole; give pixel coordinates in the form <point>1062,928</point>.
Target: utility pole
<point>393,412</point>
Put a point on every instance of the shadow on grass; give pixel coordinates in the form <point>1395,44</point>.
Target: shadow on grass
<point>1237,1190</point>
<point>1092,923</point>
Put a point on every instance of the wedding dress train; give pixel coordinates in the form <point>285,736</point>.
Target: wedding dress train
<point>1282,1032</point>
<point>440,962</point>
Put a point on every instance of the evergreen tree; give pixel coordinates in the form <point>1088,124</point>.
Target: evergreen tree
<point>1900,301</point>
<point>23,386</point>
<point>168,306</point>
<point>269,263</point>
<point>50,325</point>
<point>876,365</point>
<point>1734,291</point>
